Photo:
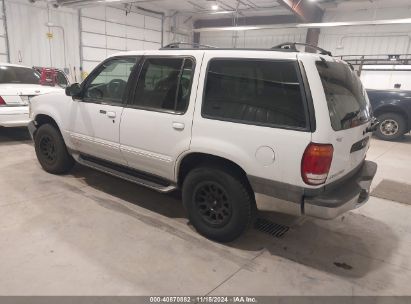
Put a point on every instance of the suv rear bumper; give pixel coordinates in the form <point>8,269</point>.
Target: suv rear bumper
<point>342,197</point>
<point>327,202</point>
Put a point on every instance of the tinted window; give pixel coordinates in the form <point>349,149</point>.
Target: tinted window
<point>111,80</point>
<point>259,92</point>
<point>345,95</point>
<point>11,74</point>
<point>164,84</point>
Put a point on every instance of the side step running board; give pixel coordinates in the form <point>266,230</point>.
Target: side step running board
<point>88,162</point>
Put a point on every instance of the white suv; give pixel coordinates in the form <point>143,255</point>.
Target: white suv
<point>227,127</point>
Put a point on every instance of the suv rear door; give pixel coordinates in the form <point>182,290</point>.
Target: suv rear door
<point>253,112</point>
<point>342,110</point>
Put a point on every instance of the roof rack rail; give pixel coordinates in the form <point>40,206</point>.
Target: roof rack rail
<point>292,46</point>
<point>176,45</point>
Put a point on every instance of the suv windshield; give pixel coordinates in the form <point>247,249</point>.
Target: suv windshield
<point>346,99</point>
<point>12,74</point>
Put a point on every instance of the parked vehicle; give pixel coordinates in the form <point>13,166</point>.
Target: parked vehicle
<point>227,127</point>
<point>52,77</point>
<point>393,109</point>
<point>18,84</point>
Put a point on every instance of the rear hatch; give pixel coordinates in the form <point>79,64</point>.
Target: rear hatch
<point>349,113</point>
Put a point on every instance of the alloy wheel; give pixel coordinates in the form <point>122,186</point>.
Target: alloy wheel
<point>48,148</point>
<point>212,203</point>
<point>389,127</point>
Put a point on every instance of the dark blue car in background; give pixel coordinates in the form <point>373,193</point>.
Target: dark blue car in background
<point>393,109</point>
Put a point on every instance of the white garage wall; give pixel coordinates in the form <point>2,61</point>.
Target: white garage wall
<point>3,36</point>
<point>264,39</point>
<point>28,41</point>
<point>347,40</point>
<point>177,28</point>
<point>367,40</point>
<point>106,30</point>
<point>371,40</point>
<point>388,78</point>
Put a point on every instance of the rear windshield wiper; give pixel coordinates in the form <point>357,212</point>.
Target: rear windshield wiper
<point>374,125</point>
<point>350,116</point>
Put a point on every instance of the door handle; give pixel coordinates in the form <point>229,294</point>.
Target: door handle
<point>111,114</point>
<point>178,126</point>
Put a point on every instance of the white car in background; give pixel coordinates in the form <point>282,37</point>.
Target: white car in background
<point>17,85</point>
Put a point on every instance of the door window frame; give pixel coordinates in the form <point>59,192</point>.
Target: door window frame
<point>97,70</point>
<point>132,93</point>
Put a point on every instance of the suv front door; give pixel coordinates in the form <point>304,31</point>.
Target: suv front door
<point>156,123</point>
<point>95,118</point>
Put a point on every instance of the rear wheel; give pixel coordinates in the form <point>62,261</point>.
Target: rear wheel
<point>218,203</point>
<point>51,150</point>
<point>392,126</point>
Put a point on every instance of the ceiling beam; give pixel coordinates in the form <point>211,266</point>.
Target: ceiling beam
<point>305,11</point>
<point>243,21</point>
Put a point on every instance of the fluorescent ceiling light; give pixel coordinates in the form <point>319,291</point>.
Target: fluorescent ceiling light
<point>228,28</point>
<point>304,25</point>
<point>214,7</point>
<point>221,12</point>
<point>355,23</point>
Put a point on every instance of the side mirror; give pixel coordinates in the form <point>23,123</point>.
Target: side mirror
<point>73,90</point>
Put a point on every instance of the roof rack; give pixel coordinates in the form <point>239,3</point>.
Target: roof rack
<point>292,46</point>
<point>176,45</point>
<point>288,46</point>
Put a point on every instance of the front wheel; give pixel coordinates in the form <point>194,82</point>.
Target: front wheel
<point>218,203</point>
<point>51,150</point>
<point>392,126</point>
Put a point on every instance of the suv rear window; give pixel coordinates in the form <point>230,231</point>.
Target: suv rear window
<point>259,92</point>
<point>347,104</point>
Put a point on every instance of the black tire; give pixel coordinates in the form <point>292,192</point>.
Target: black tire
<point>51,150</point>
<point>218,204</point>
<point>392,126</point>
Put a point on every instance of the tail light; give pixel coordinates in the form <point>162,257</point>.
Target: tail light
<point>316,163</point>
<point>2,102</point>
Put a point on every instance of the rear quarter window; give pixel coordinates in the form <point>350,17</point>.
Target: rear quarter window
<point>259,92</point>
